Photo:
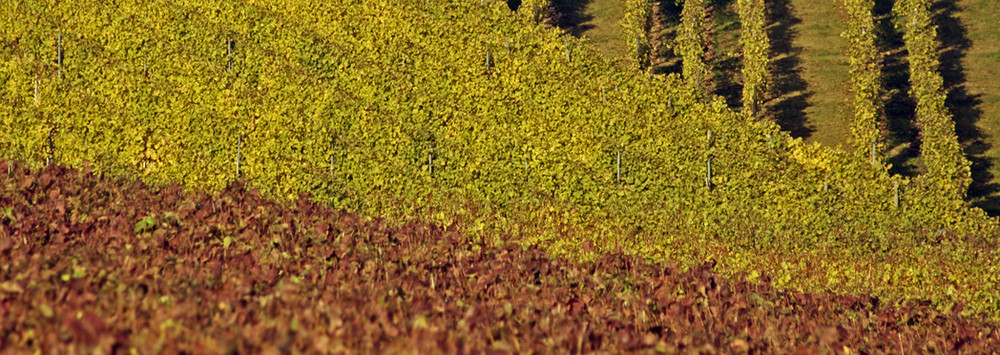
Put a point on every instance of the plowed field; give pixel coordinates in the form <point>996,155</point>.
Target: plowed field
<point>90,264</point>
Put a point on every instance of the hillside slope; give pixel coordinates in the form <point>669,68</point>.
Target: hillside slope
<point>91,264</point>
<point>464,112</point>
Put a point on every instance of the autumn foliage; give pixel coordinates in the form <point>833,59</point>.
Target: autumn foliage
<point>88,263</point>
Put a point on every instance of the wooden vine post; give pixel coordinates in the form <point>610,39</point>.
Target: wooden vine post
<point>59,56</point>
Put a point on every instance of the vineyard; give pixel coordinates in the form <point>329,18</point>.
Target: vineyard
<point>103,265</point>
<point>772,79</point>
<point>489,120</point>
<point>925,143</point>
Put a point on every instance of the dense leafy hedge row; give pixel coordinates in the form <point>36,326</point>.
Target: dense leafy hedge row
<point>691,42</point>
<point>947,167</point>
<point>463,112</point>
<point>636,24</point>
<point>866,79</point>
<point>756,54</point>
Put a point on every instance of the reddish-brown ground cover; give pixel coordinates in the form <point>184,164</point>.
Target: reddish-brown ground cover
<point>90,264</point>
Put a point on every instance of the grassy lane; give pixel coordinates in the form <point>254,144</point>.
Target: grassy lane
<point>815,39</point>
<point>970,34</point>
<point>596,19</point>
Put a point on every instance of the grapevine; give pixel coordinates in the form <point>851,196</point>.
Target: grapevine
<point>866,78</point>
<point>390,109</point>
<point>947,167</point>
<point>691,43</point>
<point>636,24</point>
<point>756,48</point>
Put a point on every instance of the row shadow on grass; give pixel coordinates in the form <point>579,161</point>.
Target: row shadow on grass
<point>900,107</point>
<point>789,92</point>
